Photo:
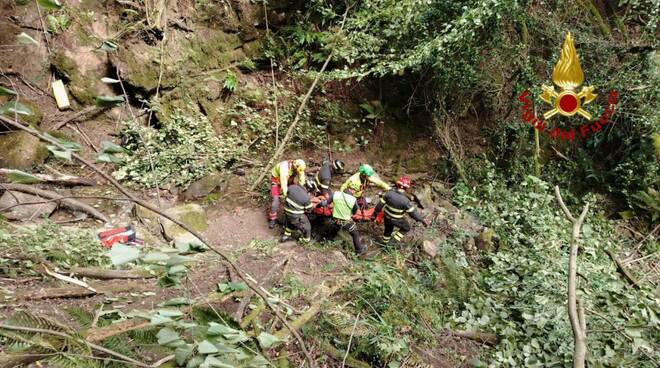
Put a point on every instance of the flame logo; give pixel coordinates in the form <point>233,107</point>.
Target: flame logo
<point>568,72</point>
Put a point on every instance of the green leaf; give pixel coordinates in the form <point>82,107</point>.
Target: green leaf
<point>170,312</point>
<point>49,4</point>
<point>238,286</point>
<point>212,361</point>
<point>267,340</point>
<point>21,177</point>
<point>57,152</point>
<point>109,46</point>
<point>166,336</point>
<point>106,101</point>
<point>195,362</point>
<point>25,39</point>
<point>182,353</point>
<point>157,320</point>
<point>4,91</point>
<point>155,257</point>
<point>121,254</point>
<point>109,147</point>
<point>216,329</point>
<point>13,107</point>
<point>258,362</point>
<point>177,269</point>
<point>205,347</point>
<point>175,302</point>
<point>108,158</point>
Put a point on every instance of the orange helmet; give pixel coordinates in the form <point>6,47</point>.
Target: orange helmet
<point>403,182</point>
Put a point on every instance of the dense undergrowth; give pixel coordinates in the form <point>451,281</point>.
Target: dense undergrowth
<point>517,292</point>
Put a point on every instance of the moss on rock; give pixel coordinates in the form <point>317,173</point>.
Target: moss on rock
<point>20,150</point>
<point>80,86</point>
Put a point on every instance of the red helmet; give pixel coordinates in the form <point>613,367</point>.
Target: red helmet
<point>403,182</point>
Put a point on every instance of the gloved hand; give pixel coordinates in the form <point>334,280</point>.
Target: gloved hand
<point>323,203</point>
<point>426,222</point>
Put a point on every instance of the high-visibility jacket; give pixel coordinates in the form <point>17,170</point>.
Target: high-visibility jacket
<point>344,205</point>
<point>396,205</point>
<point>297,201</point>
<point>358,186</point>
<point>282,171</point>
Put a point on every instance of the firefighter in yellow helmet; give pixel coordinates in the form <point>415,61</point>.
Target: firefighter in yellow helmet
<point>283,175</point>
<point>361,180</point>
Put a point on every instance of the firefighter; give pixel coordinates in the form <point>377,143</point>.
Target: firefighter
<point>396,205</point>
<point>324,177</point>
<point>361,180</point>
<point>296,204</point>
<point>343,208</point>
<point>282,176</point>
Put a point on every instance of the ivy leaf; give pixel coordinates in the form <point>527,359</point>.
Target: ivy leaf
<point>121,254</point>
<point>59,153</point>
<point>212,361</point>
<point>182,353</point>
<point>205,347</point>
<point>21,177</point>
<point>166,336</point>
<point>155,257</point>
<point>4,91</point>
<point>267,340</point>
<point>49,4</point>
<point>109,46</point>
<point>175,302</point>
<point>108,101</point>
<point>25,39</point>
<point>108,158</point>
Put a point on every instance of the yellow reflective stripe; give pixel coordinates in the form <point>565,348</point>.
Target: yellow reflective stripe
<point>411,209</point>
<point>398,236</point>
<point>392,209</point>
<point>294,204</point>
<point>295,212</point>
<point>382,200</point>
<point>393,215</point>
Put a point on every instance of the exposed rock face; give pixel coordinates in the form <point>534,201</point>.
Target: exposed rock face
<point>25,212</point>
<point>192,215</point>
<point>20,150</point>
<point>203,186</point>
<point>430,248</point>
<point>486,240</point>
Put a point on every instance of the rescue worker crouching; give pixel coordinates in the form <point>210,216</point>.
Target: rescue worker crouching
<point>396,205</point>
<point>282,176</point>
<point>343,208</point>
<point>323,178</point>
<point>359,181</point>
<point>296,204</point>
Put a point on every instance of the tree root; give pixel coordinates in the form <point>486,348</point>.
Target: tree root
<point>66,202</point>
<point>481,337</point>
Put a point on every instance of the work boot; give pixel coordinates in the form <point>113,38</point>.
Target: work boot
<point>285,238</point>
<point>271,224</point>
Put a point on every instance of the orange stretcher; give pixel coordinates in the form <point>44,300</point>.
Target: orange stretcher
<point>362,215</point>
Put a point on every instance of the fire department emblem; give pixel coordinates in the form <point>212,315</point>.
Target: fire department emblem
<point>568,76</point>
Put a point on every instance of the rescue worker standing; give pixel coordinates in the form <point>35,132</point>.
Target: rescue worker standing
<point>361,180</point>
<point>282,176</point>
<point>323,178</point>
<point>396,205</point>
<point>343,208</point>
<point>297,202</point>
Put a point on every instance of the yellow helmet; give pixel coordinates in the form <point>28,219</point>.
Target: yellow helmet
<point>299,165</point>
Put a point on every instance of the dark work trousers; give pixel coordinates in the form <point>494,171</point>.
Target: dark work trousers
<point>402,226</point>
<point>351,227</point>
<point>300,223</point>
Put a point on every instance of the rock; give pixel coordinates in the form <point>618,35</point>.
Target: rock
<point>30,211</point>
<point>469,245</point>
<point>253,49</point>
<point>251,93</point>
<point>192,215</point>
<point>251,15</point>
<point>440,190</point>
<point>430,248</point>
<point>424,196</point>
<point>486,240</point>
<point>82,72</point>
<point>203,186</point>
<point>20,150</point>
<point>467,222</point>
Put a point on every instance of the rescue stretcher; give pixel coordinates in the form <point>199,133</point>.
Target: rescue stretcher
<point>362,215</point>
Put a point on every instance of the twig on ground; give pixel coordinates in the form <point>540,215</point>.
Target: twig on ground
<point>622,268</point>
<point>350,340</point>
<point>68,279</point>
<point>78,115</point>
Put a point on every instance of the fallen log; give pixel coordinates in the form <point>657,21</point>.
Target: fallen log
<point>66,202</point>
<point>78,292</point>
<point>11,360</point>
<point>624,271</point>
<point>481,337</point>
<point>51,179</point>
<point>103,274</point>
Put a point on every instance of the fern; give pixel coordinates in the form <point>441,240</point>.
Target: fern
<point>83,317</point>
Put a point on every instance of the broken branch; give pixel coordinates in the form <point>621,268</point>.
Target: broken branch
<point>624,271</point>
